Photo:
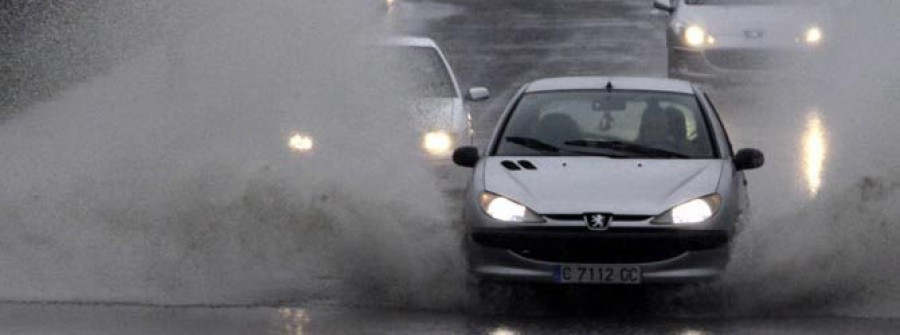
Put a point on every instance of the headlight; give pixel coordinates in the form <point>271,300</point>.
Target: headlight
<point>437,143</point>
<point>813,36</point>
<point>504,209</point>
<point>696,36</point>
<point>691,212</point>
<point>300,143</point>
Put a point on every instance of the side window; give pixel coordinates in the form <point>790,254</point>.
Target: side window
<point>721,124</point>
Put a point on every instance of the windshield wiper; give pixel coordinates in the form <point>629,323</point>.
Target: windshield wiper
<point>532,143</point>
<point>535,144</point>
<point>626,147</point>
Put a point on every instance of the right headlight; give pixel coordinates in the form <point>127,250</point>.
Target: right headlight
<point>437,143</point>
<point>692,212</point>
<point>504,209</point>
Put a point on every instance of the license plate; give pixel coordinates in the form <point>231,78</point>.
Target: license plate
<point>598,274</point>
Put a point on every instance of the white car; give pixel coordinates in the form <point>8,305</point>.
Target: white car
<point>599,180</point>
<point>741,40</point>
<point>444,121</point>
<point>431,96</point>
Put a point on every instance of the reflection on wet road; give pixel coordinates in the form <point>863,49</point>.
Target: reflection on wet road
<point>119,320</point>
<point>503,331</point>
<point>815,151</point>
<point>294,320</point>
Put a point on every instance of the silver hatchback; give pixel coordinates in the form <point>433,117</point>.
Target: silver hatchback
<point>598,180</point>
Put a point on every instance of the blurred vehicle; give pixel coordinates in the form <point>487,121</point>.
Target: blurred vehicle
<point>742,40</point>
<point>600,180</point>
<point>438,105</point>
<point>417,68</point>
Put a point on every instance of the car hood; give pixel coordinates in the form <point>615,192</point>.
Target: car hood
<point>434,113</point>
<point>779,23</point>
<point>575,185</point>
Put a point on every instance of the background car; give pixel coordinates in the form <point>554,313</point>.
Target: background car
<point>429,89</point>
<point>740,40</point>
<point>605,181</point>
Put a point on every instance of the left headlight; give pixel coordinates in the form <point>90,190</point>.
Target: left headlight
<point>437,143</point>
<point>300,143</point>
<point>696,36</point>
<point>813,36</point>
<point>692,212</point>
<point>504,209</point>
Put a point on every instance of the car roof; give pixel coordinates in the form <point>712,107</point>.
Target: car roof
<point>618,83</point>
<point>409,41</point>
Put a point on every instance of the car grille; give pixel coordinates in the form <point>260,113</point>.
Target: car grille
<point>614,246</point>
<point>615,217</point>
<point>604,255</point>
<point>745,59</point>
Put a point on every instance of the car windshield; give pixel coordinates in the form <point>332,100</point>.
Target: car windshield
<point>743,2</point>
<point>421,69</point>
<point>622,124</point>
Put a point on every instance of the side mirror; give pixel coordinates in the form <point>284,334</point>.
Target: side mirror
<point>466,156</point>
<point>664,5</point>
<point>749,159</point>
<point>478,93</point>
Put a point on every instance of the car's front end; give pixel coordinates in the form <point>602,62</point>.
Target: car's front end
<point>442,125</point>
<point>558,232</point>
<point>436,127</point>
<point>737,42</point>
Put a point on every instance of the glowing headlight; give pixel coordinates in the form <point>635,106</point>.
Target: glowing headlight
<point>694,211</point>
<point>696,36</point>
<point>300,143</point>
<point>813,36</point>
<point>504,209</point>
<point>437,143</point>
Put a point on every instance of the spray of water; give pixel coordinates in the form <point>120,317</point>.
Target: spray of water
<point>170,179</point>
<point>824,226</point>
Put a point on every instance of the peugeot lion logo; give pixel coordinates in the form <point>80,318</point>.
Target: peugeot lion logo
<point>597,221</point>
<point>754,34</point>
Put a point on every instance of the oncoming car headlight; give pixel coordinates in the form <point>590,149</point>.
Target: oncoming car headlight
<point>692,212</point>
<point>696,36</point>
<point>813,36</point>
<point>300,143</point>
<point>437,143</point>
<point>504,209</point>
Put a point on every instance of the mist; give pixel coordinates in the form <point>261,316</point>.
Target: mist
<point>169,179</point>
<point>821,238</point>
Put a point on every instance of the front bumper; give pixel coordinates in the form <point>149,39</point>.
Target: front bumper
<point>532,255</point>
<point>737,65</point>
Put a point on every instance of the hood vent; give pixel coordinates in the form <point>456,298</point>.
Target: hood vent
<point>512,166</point>
<point>509,165</point>
<point>527,165</point>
